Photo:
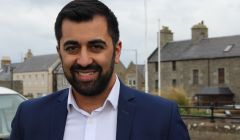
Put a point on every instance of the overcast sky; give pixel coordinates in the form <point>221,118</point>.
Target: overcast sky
<point>29,24</point>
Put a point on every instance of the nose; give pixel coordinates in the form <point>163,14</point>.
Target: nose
<point>84,58</point>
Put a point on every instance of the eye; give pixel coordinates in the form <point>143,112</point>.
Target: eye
<point>97,47</point>
<point>71,49</point>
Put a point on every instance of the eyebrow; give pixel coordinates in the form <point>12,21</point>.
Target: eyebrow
<point>97,41</point>
<point>70,42</point>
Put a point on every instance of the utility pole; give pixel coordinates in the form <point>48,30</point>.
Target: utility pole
<point>159,60</point>
<point>146,48</point>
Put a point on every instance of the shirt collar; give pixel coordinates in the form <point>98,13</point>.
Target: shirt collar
<point>112,97</point>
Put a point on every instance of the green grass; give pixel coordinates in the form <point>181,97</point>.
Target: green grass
<point>194,111</point>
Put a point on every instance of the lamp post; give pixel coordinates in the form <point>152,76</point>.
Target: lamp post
<point>159,60</point>
<point>146,61</point>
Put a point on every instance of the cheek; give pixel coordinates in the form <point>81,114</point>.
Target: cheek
<point>104,61</point>
<point>67,64</point>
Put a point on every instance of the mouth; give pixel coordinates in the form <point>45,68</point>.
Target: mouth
<point>86,75</point>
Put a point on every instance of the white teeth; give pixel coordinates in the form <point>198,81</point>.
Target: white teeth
<point>85,73</point>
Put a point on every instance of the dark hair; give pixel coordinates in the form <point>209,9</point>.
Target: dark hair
<point>85,10</point>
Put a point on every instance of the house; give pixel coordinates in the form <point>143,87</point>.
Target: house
<point>134,76</point>
<point>36,73</point>
<point>6,79</point>
<point>198,62</point>
<point>5,70</point>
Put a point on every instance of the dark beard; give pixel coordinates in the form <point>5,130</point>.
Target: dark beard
<point>92,88</point>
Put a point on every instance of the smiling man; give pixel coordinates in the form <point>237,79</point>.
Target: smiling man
<point>97,106</point>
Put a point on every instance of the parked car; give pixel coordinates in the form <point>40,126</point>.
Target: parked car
<point>9,101</point>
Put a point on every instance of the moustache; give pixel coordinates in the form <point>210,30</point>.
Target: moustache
<point>77,67</point>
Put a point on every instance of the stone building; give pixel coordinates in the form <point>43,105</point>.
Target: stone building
<point>6,79</point>
<point>36,73</point>
<point>61,81</point>
<point>120,70</point>
<point>5,69</point>
<point>134,76</point>
<point>197,63</point>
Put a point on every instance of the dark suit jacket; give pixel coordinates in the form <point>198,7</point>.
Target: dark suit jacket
<point>140,117</point>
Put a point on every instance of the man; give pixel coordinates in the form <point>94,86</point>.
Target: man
<point>97,106</point>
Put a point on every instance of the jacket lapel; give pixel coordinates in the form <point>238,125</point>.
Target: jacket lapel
<point>126,112</point>
<point>59,116</point>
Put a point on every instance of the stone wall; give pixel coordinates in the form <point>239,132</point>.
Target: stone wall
<point>153,76</point>
<point>16,85</point>
<point>208,75</point>
<point>35,83</point>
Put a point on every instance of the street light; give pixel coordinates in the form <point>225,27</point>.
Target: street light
<point>146,48</point>
<point>159,59</point>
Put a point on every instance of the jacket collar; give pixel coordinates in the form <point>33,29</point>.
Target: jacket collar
<point>126,112</point>
<point>59,116</point>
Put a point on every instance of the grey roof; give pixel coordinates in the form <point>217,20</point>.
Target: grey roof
<point>215,91</point>
<point>36,63</point>
<point>210,48</point>
<point>5,75</point>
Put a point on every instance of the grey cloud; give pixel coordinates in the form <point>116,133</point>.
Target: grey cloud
<point>28,24</point>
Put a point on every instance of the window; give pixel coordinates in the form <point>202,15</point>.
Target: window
<point>156,67</point>
<point>132,82</point>
<point>195,77</point>
<point>221,76</point>
<point>174,82</point>
<point>156,84</point>
<point>174,65</point>
<point>129,82</point>
<point>228,48</point>
<point>64,82</point>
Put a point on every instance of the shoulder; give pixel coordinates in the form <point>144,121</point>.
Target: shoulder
<point>46,100</point>
<point>147,101</point>
<point>152,101</point>
<point>152,110</point>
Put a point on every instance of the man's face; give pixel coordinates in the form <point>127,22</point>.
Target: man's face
<point>88,55</point>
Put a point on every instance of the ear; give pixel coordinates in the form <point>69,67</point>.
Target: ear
<point>58,51</point>
<point>118,50</point>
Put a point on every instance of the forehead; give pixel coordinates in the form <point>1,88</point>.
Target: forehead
<point>96,26</point>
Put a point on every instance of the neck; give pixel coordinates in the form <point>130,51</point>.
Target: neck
<point>91,103</point>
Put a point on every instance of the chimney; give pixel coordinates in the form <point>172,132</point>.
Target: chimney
<point>5,63</point>
<point>199,32</point>
<point>28,55</point>
<point>166,35</point>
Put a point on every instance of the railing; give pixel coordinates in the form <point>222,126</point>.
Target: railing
<point>210,112</point>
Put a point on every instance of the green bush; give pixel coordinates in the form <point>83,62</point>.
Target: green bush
<point>178,95</point>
